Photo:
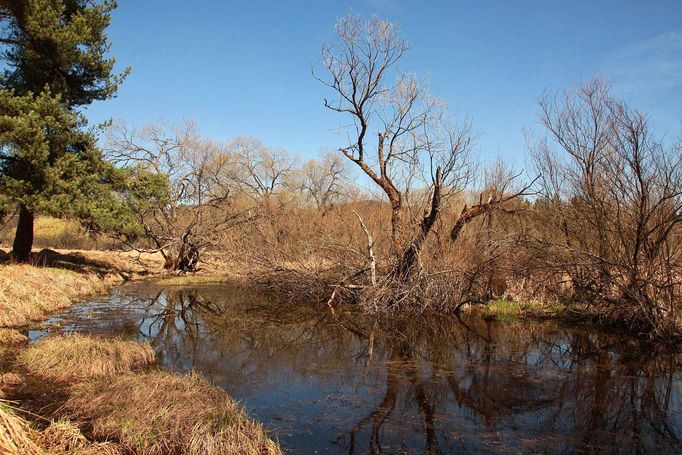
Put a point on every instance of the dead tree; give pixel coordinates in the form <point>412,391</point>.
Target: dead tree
<point>401,137</point>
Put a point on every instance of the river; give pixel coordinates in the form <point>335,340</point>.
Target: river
<point>349,383</point>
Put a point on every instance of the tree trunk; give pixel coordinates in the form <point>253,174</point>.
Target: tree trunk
<point>409,262</point>
<point>188,256</point>
<point>23,239</point>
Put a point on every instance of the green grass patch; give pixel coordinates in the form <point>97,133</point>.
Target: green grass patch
<point>509,311</point>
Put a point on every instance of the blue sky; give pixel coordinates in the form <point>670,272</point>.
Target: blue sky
<point>243,68</point>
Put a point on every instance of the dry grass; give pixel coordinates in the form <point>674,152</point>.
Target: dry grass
<point>16,435</point>
<point>161,413</point>
<point>63,437</point>
<point>60,438</point>
<point>12,337</point>
<point>10,379</point>
<point>77,357</point>
<point>130,263</point>
<point>30,293</point>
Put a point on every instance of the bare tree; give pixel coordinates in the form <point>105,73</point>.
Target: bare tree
<point>325,181</point>
<point>179,190</point>
<point>261,171</point>
<point>419,157</point>
<point>617,194</point>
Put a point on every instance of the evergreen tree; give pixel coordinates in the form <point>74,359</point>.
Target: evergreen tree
<point>55,53</point>
<point>50,164</point>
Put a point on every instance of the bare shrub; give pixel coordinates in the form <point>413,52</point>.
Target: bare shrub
<point>611,208</point>
<point>180,190</point>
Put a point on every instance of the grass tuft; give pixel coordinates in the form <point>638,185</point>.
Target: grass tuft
<point>76,357</point>
<point>12,337</point>
<point>192,280</point>
<point>16,435</point>
<point>509,311</point>
<point>63,437</point>
<point>160,413</point>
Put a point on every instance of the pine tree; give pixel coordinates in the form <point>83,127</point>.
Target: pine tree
<point>55,52</point>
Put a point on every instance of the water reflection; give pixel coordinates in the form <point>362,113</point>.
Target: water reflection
<point>345,383</point>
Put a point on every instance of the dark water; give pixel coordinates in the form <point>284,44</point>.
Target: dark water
<point>348,383</point>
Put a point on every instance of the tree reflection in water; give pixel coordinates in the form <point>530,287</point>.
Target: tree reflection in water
<point>357,384</point>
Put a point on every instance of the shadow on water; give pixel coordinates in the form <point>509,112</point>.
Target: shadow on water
<point>349,383</point>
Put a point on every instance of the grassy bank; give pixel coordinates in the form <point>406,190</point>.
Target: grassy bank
<point>507,310</point>
<point>114,401</point>
<point>29,293</point>
<point>164,413</point>
<point>194,280</point>
<point>103,395</point>
<point>75,357</point>
<point>56,279</point>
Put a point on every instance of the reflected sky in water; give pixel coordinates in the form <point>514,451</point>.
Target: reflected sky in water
<point>348,383</point>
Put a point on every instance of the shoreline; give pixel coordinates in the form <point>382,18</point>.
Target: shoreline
<point>30,294</point>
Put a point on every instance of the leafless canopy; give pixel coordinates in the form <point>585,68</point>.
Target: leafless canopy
<point>401,137</point>
<point>181,191</point>
<point>616,191</point>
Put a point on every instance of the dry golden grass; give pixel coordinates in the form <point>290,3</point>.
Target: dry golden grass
<point>63,437</point>
<point>11,337</point>
<point>60,438</point>
<point>127,262</point>
<point>16,435</point>
<point>161,413</point>
<point>30,293</point>
<point>76,357</point>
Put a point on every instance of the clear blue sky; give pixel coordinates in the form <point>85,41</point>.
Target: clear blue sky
<point>243,68</point>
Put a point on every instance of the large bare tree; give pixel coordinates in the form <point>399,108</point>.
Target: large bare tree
<point>401,137</point>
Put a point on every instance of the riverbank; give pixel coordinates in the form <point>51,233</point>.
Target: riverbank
<point>56,279</point>
<point>40,379</point>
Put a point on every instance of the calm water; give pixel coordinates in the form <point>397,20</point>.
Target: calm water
<point>348,383</point>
